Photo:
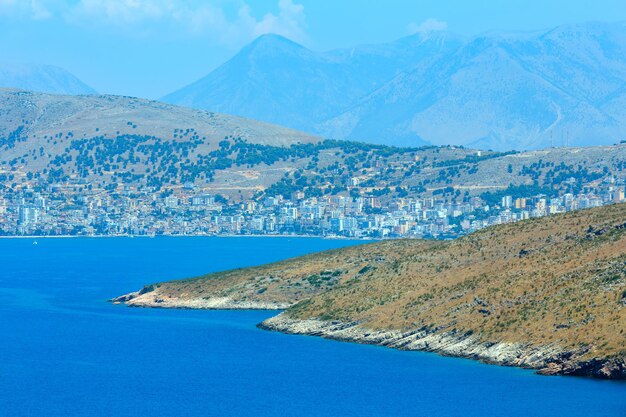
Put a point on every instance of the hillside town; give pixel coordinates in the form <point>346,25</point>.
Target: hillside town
<point>60,211</point>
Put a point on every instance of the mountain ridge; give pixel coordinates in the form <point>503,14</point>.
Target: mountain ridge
<point>341,75</point>
<point>42,114</point>
<point>564,85</point>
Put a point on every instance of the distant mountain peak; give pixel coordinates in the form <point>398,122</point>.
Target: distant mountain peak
<point>272,43</point>
<point>272,38</point>
<point>42,78</point>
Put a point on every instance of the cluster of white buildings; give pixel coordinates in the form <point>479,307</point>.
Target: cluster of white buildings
<point>32,213</point>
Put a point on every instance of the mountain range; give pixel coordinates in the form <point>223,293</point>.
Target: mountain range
<point>276,79</point>
<point>41,78</point>
<point>501,91</point>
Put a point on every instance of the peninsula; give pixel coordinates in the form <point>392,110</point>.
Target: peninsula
<point>547,294</point>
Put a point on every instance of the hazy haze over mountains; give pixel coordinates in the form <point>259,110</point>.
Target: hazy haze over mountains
<point>498,90</point>
<point>41,78</point>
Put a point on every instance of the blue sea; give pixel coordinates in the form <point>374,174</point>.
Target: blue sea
<point>65,351</point>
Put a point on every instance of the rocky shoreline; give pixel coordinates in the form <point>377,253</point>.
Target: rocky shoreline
<point>141,299</point>
<point>547,360</point>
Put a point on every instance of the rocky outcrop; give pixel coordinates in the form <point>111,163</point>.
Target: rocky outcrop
<point>547,360</point>
<point>607,368</point>
<point>155,299</point>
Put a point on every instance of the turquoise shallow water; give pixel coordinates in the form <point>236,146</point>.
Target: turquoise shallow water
<point>64,351</point>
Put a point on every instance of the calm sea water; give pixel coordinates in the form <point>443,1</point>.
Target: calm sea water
<point>64,351</point>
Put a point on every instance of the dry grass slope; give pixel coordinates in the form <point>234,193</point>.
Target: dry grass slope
<point>282,283</point>
<point>558,280</point>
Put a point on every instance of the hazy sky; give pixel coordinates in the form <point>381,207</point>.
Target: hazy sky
<point>148,48</point>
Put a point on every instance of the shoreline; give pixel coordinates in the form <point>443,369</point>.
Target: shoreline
<point>135,300</point>
<point>549,360</point>
<point>545,360</point>
<point>365,239</point>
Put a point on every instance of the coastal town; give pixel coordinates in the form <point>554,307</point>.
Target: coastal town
<point>61,210</point>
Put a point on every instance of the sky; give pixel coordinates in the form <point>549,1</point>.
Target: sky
<point>148,48</point>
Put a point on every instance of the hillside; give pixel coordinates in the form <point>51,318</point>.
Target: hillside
<point>41,78</point>
<point>548,294</point>
<point>498,91</point>
<point>42,116</point>
<point>113,141</point>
